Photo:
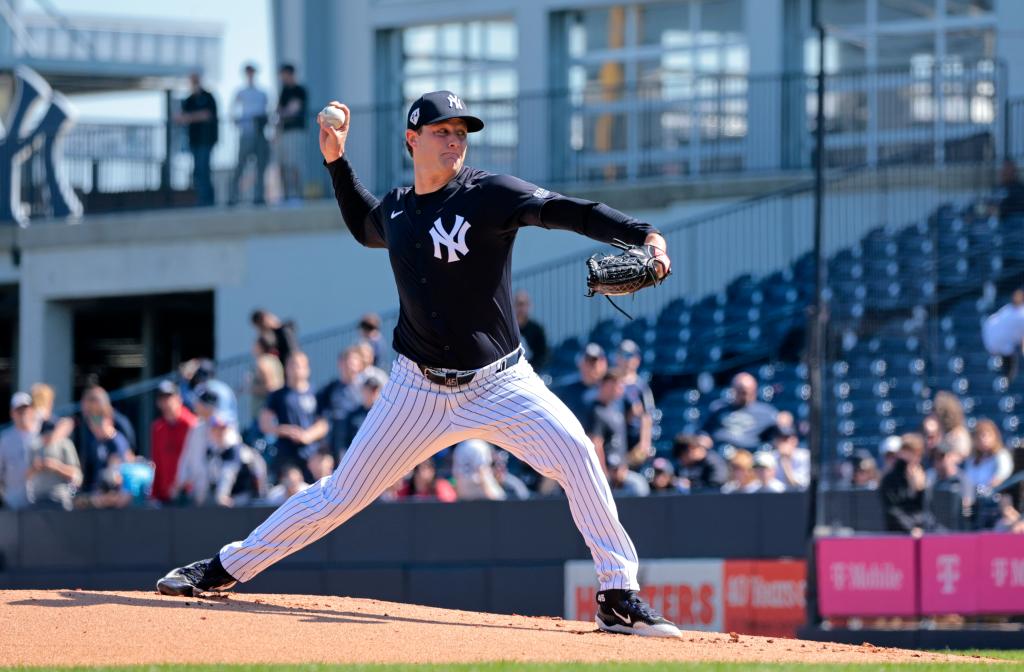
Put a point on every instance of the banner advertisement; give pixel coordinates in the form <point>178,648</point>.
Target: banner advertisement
<point>867,576</point>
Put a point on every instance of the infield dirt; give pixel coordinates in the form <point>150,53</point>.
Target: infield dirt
<point>78,627</point>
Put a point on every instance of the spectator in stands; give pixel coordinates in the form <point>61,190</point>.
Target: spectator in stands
<point>741,421</point>
<point>283,334</point>
<point>291,416</point>
<point>1010,194</point>
<point>742,478</point>
<point>638,402</point>
<point>291,482</point>
<point>370,386</point>
<point>931,430</point>
<point>700,469</point>
<point>292,139</point>
<point>54,472</point>
<point>267,373</point>
<point>947,476</point>
<point>865,471</point>
<point>192,482</point>
<point>512,485</point>
<point>887,449</point>
<point>369,332</point>
<point>765,469</point>
<point>1003,333</point>
<point>534,339</point>
<point>238,474</point>
<point>320,465</point>
<point>110,491</point>
<point>662,478</point>
<point>199,113</point>
<point>16,445</point>
<point>624,481</point>
<point>1010,519</point>
<point>473,469</point>
<point>249,111</point>
<point>990,462</point>
<point>903,489</point>
<point>43,398</point>
<point>341,397</point>
<point>100,431</point>
<point>201,375</point>
<point>950,413</point>
<point>606,422</point>
<point>167,438</point>
<point>424,484</point>
<point>579,394</point>
<point>793,461</point>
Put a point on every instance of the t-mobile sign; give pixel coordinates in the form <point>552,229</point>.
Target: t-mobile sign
<point>867,576</point>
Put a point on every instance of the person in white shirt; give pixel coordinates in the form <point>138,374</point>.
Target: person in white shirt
<point>473,468</point>
<point>249,111</point>
<point>1003,333</point>
<point>764,470</point>
<point>794,462</point>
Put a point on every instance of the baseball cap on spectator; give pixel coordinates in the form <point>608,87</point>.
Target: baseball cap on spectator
<point>593,351</point>
<point>629,348</point>
<point>890,444</point>
<point>662,466</point>
<point>166,388</point>
<point>222,419</point>
<point>46,427</point>
<point>20,400</point>
<point>764,460</point>
<point>369,322</point>
<point>374,380</point>
<point>206,394</point>
<point>430,108</point>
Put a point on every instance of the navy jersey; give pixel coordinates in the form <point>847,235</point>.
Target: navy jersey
<point>451,253</point>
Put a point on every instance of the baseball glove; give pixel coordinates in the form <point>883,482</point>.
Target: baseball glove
<point>619,274</point>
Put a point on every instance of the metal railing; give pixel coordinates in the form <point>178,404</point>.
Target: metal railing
<point>702,126</point>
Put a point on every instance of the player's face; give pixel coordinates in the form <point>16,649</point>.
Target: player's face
<point>441,146</point>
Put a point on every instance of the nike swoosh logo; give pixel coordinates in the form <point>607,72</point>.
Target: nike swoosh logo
<point>396,213</point>
<point>624,619</point>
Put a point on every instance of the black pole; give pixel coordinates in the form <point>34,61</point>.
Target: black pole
<point>817,325</point>
<point>165,167</point>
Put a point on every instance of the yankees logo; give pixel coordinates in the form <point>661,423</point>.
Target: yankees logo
<point>454,240</point>
<point>414,116</point>
<point>455,101</point>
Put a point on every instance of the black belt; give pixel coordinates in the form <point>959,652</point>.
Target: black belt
<point>453,378</point>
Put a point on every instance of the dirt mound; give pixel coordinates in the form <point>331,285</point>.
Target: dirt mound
<point>76,627</point>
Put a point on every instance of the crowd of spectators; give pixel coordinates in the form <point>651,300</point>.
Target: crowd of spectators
<point>200,455</point>
<point>265,131</point>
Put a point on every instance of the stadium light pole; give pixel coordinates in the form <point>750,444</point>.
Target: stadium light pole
<point>817,324</point>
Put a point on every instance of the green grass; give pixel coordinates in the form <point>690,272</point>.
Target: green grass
<point>583,667</point>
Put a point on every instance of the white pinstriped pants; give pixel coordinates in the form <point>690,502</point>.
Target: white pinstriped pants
<point>411,421</point>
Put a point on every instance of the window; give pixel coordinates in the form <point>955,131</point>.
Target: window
<point>654,86</point>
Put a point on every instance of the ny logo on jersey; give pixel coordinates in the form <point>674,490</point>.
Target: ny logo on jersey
<point>454,101</point>
<point>454,240</point>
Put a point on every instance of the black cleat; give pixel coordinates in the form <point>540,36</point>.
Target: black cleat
<point>198,577</point>
<point>624,612</point>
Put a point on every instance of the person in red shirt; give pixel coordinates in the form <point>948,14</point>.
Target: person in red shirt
<point>425,485</point>
<point>167,437</point>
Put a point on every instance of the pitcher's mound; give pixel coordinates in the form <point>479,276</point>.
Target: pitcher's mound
<point>75,627</point>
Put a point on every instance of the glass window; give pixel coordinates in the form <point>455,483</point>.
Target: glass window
<point>665,24</point>
<point>844,12</point>
<point>915,49</point>
<point>970,47</point>
<point>968,7</point>
<point>724,17</point>
<point>905,10</point>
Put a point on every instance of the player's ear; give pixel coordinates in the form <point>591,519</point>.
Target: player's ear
<point>411,137</point>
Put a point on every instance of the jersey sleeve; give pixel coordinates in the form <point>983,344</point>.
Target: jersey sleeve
<point>362,212</point>
<point>537,206</point>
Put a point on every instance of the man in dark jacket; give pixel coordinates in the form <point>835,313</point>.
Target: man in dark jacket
<point>199,114</point>
<point>903,490</point>
<point>699,468</point>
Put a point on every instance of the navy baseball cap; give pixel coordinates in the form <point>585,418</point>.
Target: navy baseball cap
<point>436,106</point>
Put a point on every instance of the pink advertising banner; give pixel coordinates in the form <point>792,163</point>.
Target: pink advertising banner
<point>950,576</point>
<point>1000,573</point>
<point>867,576</point>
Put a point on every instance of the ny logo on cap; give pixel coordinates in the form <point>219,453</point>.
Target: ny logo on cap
<point>454,101</point>
<point>414,116</point>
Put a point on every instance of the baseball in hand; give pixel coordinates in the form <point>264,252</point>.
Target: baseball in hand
<point>333,116</point>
